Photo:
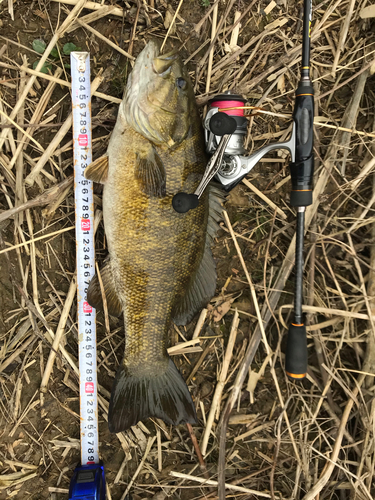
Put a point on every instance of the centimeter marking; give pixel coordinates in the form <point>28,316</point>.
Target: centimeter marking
<point>85,247</point>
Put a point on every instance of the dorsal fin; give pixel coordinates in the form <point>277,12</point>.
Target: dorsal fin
<point>202,287</point>
<point>97,171</point>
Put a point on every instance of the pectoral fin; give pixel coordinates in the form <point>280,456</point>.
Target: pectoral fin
<point>150,173</point>
<point>97,171</point>
<point>94,293</point>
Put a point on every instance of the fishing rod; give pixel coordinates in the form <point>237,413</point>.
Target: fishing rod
<point>301,171</point>
<point>225,131</point>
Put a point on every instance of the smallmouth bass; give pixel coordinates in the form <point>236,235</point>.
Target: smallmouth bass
<point>161,266</point>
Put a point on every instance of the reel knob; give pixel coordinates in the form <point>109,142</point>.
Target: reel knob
<point>222,124</point>
<point>183,202</point>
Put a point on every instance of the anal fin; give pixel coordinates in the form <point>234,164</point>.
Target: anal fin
<point>97,171</point>
<point>94,293</point>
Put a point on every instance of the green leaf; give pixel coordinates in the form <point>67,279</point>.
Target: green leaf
<point>44,68</point>
<point>69,47</point>
<point>39,45</point>
<point>67,66</point>
<point>55,53</point>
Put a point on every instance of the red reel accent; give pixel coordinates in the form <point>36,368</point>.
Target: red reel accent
<point>229,104</point>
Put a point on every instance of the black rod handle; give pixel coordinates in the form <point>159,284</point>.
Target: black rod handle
<point>302,169</point>
<point>296,352</point>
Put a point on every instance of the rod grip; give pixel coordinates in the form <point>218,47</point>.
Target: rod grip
<point>296,352</point>
<point>302,169</point>
<point>302,177</point>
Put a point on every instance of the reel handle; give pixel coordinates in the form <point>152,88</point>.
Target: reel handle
<point>222,125</point>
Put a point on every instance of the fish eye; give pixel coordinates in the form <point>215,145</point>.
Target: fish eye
<point>181,83</point>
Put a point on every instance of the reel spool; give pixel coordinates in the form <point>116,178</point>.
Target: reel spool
<point>214,127</point>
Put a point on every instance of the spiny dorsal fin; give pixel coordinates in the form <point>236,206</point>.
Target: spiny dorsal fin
<point>202,287</point>
<point>97,171</point>
<point>94,293</point>
<point>150,172</point>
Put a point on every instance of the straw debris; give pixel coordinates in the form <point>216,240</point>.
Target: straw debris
<point>258,434</point>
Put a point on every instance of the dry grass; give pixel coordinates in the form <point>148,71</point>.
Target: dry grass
<point>313,440</point>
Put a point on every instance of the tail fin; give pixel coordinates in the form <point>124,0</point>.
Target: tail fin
<point>164,396</point>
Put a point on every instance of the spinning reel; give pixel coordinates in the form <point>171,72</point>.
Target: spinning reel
<point>225,132</point>
<point>235,166</point>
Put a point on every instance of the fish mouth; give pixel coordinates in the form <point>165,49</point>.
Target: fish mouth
<point>162,64</point>
<point>150,62</point>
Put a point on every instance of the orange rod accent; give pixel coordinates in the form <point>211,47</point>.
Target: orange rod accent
<point>298,325</point>
<point>294,375</point>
